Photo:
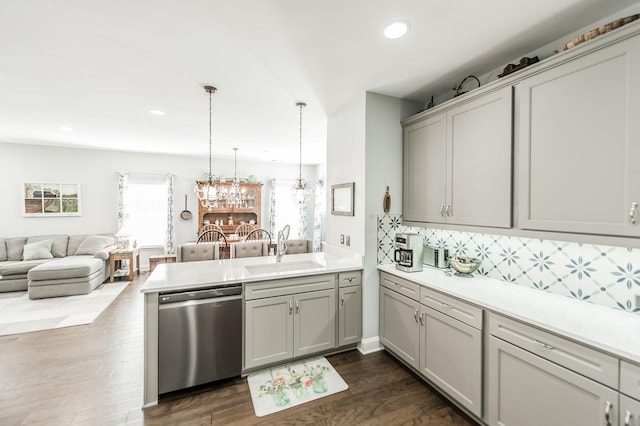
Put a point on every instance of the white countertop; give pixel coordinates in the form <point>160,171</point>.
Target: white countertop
<point>607,329</point>
<point>194,275</point>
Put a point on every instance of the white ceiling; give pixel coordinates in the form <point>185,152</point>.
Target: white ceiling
<point>100,66</point>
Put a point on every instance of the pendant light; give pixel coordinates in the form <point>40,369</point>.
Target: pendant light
<point>235,196</point>
<point>301,191</point>
<point>209,192</point>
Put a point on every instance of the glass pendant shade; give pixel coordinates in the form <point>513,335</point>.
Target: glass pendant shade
<point>235,196</point>
<point>301,192</point>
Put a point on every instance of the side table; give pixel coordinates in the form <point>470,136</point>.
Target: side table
<point>157,259</point>
<point>132,255</point>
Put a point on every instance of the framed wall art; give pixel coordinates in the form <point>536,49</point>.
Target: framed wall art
<point>50,199</point>
<point>342,199</point>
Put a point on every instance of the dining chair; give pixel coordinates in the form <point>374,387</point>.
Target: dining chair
<point>249,249</point>
<point>243,230</point>
<point>299,246</point>
<point>213,236</point>
<point>211,227</point>
<point>259,234</point>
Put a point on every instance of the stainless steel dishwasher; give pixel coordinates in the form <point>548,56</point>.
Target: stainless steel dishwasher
<point>199,337</point>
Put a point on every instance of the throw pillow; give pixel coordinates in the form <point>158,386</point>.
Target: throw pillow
<point>37,250</point>
<point>93,243</point>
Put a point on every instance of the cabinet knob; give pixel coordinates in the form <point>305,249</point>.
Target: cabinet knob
<point>632,213</point>
<point>627,418</point>
<point>607,413</point>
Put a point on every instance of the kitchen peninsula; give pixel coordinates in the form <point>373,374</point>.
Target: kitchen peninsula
<point>324,288</point>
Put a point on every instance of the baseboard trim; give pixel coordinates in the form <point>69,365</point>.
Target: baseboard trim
<point>370,345</point>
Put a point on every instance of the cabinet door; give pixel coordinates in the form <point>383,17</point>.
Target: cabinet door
<point>629,411</point>
<point>578,142</point>
<point>350,315</point>
<point>526,390</point>
<point>268,330</point>
<point>480,142</point>
<point>424,170</point>
<point>314,322</point>
<point>451,357</point>
<point>399,327</point>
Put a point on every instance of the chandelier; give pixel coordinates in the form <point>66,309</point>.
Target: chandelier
<point>235,195</point>
<point>301,191</point>
<point>209,192</point>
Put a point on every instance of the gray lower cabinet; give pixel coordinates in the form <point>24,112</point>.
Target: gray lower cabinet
<point>629,411</point>
<point>349,315</point>
<point>528,390</point>
<point>578,144</point>
<point>440,338</point>
<point>399,326</point>
<point>451,357</point>
<point>289,318</point>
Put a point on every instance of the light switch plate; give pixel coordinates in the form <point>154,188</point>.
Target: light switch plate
<point>348,240</point>
<point>341,238</point>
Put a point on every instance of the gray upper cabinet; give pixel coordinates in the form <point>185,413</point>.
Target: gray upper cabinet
<point>458,164</point>
<point>579,142</point>
<point>424,170</point>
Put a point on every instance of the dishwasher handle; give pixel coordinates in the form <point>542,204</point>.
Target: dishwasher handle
<point>214,301</point>
<point>209,293</point>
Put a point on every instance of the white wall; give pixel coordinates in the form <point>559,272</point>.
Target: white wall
<point>346,163</point>
<point>95,171</point>
<point>364,145</point>
<point>383,157</point>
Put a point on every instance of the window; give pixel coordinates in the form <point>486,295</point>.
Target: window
<point>286,211</point>
<point>145,207</point>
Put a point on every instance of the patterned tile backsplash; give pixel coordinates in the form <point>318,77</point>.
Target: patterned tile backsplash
<point>604,275</point>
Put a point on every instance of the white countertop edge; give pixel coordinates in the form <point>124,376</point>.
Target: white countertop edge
<point>171,277</point>
<point>606,329</point>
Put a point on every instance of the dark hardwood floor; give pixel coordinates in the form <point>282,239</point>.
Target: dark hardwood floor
<point>93,375</point>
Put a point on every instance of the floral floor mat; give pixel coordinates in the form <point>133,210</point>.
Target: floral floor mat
<point>288,385</point>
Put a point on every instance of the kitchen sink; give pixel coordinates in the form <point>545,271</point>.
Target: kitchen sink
<point>270,268</point>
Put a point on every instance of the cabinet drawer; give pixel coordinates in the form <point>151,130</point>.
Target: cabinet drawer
<point>346,279</point>
<point>402,286</point>
<point>468,314</point>
<point>262,289</point>
<point>630,379</point>
<point>581,359</point>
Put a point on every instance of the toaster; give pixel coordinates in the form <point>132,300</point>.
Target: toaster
<point>435,257</point>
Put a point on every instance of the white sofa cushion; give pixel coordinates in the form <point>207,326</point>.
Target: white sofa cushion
<point>66,267</point>
<point>14,247</point>
<point>58,243</point>
<point>93,244</point>
<point>10,268</point>
<point>3,250</point>
<point>37,250</point>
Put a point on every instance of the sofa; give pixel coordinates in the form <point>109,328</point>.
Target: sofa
<point>55,265</point>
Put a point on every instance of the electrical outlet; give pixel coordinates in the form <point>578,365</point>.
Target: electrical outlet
<point>341,238</point>
<point>348,240</point>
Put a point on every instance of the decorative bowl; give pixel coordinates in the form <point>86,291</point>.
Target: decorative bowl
<point>464,266</point>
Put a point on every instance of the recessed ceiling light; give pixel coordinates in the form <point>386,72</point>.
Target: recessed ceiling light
<point>66,129</point>
<point>156,112</point>
<point>396,30</point>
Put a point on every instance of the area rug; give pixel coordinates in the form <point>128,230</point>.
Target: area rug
<point>19,314</point>
<point>293,384</point>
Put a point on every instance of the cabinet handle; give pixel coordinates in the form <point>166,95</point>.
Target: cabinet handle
<point>627,418</point>
<point>442,210</point>
<point>446,305</point>
<point>421,321</point>
<point>415,315</point>
<point>607,413</point>
<point>448,210</point>
<point>297,306</point>
<point>543,344</point>
<point>349,279</point>
<point>342,300</point>
<point>290,308</point>
<point>632,213</point>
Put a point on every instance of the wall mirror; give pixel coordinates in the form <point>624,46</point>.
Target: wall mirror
<point>342,199</point>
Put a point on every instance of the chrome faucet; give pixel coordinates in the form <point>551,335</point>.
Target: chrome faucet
<point>281,244</point>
